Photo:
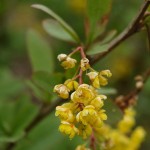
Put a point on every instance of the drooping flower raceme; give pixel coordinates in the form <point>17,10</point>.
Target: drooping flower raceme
<point>83,113</point>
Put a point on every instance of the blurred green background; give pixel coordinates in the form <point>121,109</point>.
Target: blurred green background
<point>23,90</point>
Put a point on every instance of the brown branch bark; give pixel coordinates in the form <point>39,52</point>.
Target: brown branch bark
<point>129,31</point>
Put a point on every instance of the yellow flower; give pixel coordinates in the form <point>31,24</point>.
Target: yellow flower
<point>97,102</point>
<point>127,122</point>
<point>119,141</point>
<point>62,91</point>
<point>69,63</point>
<point>102,80</point>
<point>102,114</point>
<point>85,131</point>
<point>93,76</point>
<point>106,73</point>
<point>84,94</point>
<point>65,112</point>
<point>81,147</point>
<point>97,79</point>
<point>84,64</point>
<point>71,84</point>
<point>90,116</point>
<point>137,137</point>
<point>86,115</point>
<point>68,128</point>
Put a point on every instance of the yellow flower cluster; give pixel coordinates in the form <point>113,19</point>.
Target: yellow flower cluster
<point>83,114</point>
<point>122,138</point>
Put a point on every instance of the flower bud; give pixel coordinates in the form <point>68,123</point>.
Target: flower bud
<point>62,91</point>
<point>92,75</point>
<point>97,102</point>
<point>69,63</point>
<point>65,112</point>
<point>62,57</point>
<point>68,128</point>
<point>71,84</point>
<point>85,64</point>
<point>106,73</point>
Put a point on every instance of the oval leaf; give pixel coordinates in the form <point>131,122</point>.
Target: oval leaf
<point>109,36</point>
<point>39,52</point>
<point>53,28</point>
<point>97,48</point>
<point>59,19</point>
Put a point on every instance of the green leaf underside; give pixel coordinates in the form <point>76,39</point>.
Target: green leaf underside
<point>60,20</point>
<point>54,28</point>
<point>98,48</point>
<point>107,91</point>
<point>40,54</point>
<point>109,37</point>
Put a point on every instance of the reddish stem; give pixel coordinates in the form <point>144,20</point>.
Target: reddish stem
<point>82,52</point>
<point>92,141</point>
<point>80,48</point>
<point>80,76</point>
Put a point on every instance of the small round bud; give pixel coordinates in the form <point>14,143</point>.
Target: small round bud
<point>85,64</point>
<point>71,84</point>
<point>139,84</point>
<point>69,63</point>
<point>106,73</point>
<point>62,91</point>
<point>92,75</point>
<point>62,57</point>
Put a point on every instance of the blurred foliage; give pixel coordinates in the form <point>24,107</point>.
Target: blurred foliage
<point>28,67</point>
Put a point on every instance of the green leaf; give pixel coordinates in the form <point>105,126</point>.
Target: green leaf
<point>53,28</point>
<point>15,116</point>
<point>107,91</point>
<point>46,136</point>
<point>9,85</point>
<point>96,10</point>
<point>47,81</point>
<point>66,27</point>
<point>40,54</point>
<point>109,37</point>
<point>113,112</point>
<point>42,84</point>
<point>98,48</point>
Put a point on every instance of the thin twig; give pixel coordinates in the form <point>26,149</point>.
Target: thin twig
<point>130,30</point>
<point>130,99</point>
<point>148,34</point>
